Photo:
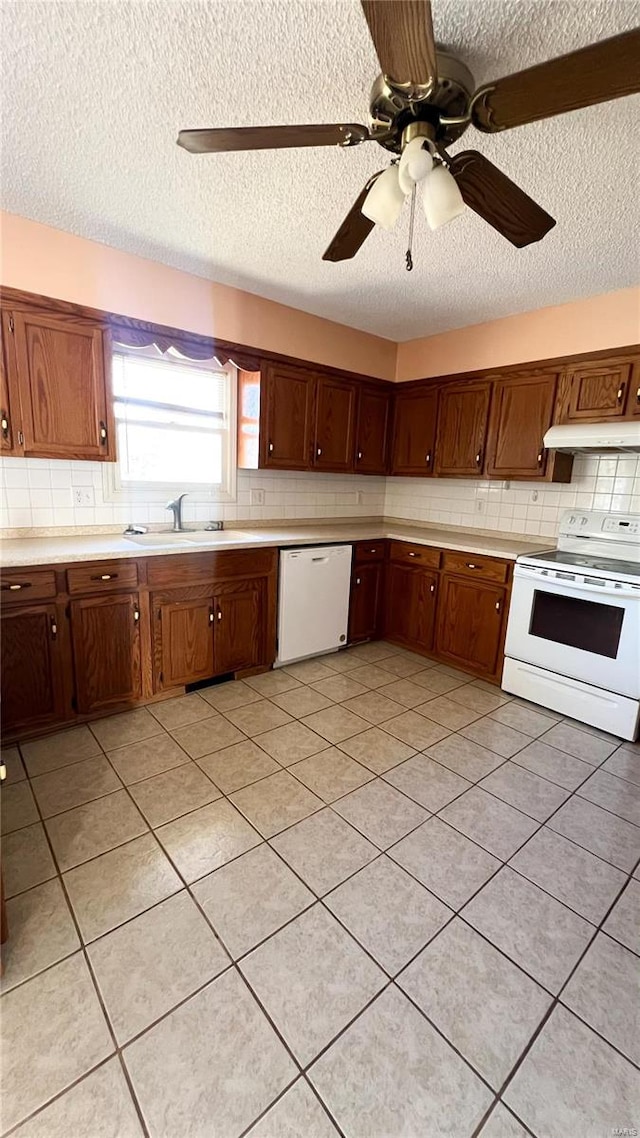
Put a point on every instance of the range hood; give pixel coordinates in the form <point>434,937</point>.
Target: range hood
<point>595,438</point>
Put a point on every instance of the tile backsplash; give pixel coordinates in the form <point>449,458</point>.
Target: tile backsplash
<point>598,483</point>
<point>50,493</point>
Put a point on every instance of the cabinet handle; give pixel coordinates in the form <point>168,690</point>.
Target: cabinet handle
<point>620,395</point>
<point>210,616</point>
<point>105,577</point>
<point>498,606</point>
<point>103,434</point>
<point>413,554</point>
<point>54,627</point>
<point>479,458</point>
<point>319,451</point>
<point>432,588</point>
<point>427,458</point>
<point>3,772</point>
<point>359,455</point>
<point>472,565</point>
<point>540,456</point>
<point>357,580</point>
<point>20,439</point>
<point>270,448</point>
<point>638,395</point>
<point>219,614</point>
<point>136,615</point>
<point>374,550</point>
<point>4,423</point>
<point>14,588</point>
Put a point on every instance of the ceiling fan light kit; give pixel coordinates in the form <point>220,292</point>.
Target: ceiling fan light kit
<point>426,94</point>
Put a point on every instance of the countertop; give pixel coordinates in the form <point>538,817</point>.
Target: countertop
<point>17,552</point>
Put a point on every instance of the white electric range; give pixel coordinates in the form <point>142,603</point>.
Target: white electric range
<point>573,634</point>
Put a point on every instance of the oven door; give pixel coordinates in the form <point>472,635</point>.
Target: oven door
<point>586,631</point>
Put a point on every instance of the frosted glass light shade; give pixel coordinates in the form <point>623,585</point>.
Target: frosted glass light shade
<point>385,199</point>
<point>415,164</point>
<point>441,199</point>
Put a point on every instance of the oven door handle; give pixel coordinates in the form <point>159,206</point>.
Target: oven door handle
<point>557,585</point>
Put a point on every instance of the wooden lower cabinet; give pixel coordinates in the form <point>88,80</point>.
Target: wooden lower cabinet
<point>238,640</point>
<point>182,638</point>
<point>470,624</point>
<point>32,667</point>
<point>105,635</point>
<point>410,608</point>
<point>366,602</point>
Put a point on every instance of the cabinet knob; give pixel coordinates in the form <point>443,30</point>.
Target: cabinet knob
<point>211,616</point>
<point>620,393</point>
<point>540,456</point>
<point>54,627</point>
<point>357,580</point>
<point>498,606</point>
<point>479,458</point>
<point>136,615</point>
<point>638,395</point>
<point>359,455</point>
<point>319,451</point>
<point>4,424</point>
<point>15,587</point>
<point>270,448</point>
<point>432,588</point>
<point>413,554</point>
<point>219,614</point>
<point>471,565</point>
<point>427,458</point>
<point>103,433</point>
<point>105,577</point>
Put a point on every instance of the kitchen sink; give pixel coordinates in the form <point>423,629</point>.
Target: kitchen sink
<point>192,537</point>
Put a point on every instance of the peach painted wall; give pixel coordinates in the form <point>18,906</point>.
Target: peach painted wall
<point>599,322</point>
<point>40,259</point>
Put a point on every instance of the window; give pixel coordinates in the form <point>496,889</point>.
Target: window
<point>175,424</point>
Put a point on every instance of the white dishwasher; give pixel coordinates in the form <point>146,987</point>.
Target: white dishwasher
<point>313,604</point>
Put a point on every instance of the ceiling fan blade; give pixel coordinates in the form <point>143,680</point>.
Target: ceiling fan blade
<point>595,74</point>
<point>489,193</point>
<point>402,34</point>
<point>223,139</point>
<point>354,229</point>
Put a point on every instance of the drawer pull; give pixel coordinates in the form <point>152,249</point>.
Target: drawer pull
<point>374,550</point>
<point>15,587</point>
<point>472,565</point>
<point>105,577</point>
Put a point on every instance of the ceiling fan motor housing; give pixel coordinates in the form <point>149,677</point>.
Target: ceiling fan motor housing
<point>391,109</point>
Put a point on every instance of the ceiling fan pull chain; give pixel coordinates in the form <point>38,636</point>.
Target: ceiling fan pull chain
<point>409,258</point>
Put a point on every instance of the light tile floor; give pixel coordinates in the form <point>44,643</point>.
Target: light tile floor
<point>366,896</point>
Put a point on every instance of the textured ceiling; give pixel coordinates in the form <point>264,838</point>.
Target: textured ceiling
<point>94,94</point>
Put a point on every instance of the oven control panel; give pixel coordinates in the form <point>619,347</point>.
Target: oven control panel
<point>620,525</point>
<point>597,523</point>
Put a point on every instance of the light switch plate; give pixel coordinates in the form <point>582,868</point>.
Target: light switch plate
<point>256,497</point>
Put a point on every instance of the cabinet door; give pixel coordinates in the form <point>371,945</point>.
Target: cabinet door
<point>414,432</point>
<point>183,640</point>
<point>365,601</point>
<point>598,390</point>
<point>470,623</point>
<point>372,432</point>
<point>334,424</point>
<point>286,418</point>
<point>463,418</point>
<point>240,614</point>
<point>8,424</point>
<point>105,633</point>
<point>521,413</point>
<point>410,605</point>
<point>61,371</point>
<point>633,402</point>
<point>32,680</point>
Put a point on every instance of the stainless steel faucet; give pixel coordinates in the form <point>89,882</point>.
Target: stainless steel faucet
<point>176,508</point>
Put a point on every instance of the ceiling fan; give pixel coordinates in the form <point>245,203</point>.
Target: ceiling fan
<point>422,102</point>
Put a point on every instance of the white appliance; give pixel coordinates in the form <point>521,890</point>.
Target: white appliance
<point>595,438</point>
<point>313,605</point>
<point>573,635</point>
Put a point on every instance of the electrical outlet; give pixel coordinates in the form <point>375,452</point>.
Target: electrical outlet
<point>533,497</point>
<point>83,496</point>
<point>359,497</point>
<point>256,497</point>
<point>480,505</point>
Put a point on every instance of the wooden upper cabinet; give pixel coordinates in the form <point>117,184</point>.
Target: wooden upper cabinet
<point>240,612</point>
<point>335,421</point>
<point>598,390</point>
<point>32,667</point>
<point>286,405</point>
<point>372,431</point>
<point>521,414</point>
<point>61,366</point>
<point>633,401</point>
<point>463,417</point>
<point>8,427</point>
<point>105,633</point>
<point>414,431</point>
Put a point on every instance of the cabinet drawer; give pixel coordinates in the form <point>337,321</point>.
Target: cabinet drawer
<point>368,551</point>
<point>102,577</point>
<point>26,585</point>
<point>410,554</point>
<point>469,565</point>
